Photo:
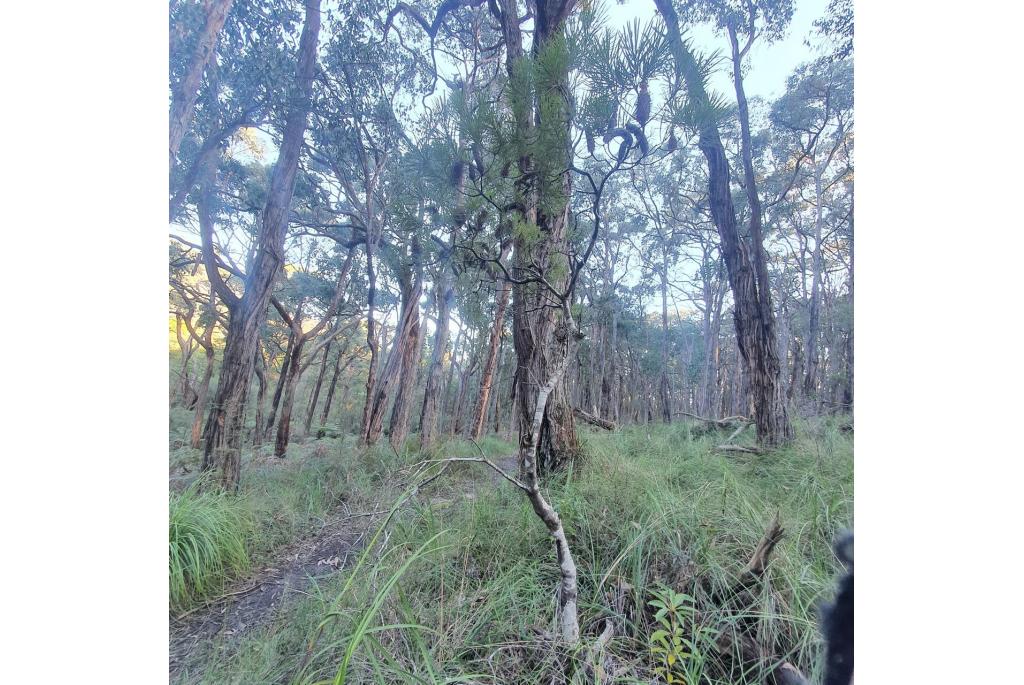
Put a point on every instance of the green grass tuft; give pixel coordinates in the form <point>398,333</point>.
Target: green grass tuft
<point>208,534</point>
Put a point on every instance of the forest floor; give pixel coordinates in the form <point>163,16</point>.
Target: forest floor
<point>214,628</point>
<point>460,580</point>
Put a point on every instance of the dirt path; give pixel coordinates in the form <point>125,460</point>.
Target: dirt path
<point>266,594</point>
<point>256,601</point>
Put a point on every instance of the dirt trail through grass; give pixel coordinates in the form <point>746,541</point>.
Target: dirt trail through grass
<point>216,629</point>
<point>258,599</point>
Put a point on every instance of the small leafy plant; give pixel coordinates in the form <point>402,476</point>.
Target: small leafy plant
<point>676,657</point>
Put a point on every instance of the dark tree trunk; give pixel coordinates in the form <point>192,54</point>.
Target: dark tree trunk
<point>745,262</point>
<point>536,325</point>
<point>315,397</point>
<point>284,424</point>
<point>261,377</point>
<point>282,381</point>
<point>247,314</point>
<point>201,394</point>
<point>372,341</point>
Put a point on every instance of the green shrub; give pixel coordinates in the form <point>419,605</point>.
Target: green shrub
<point>208,534</point>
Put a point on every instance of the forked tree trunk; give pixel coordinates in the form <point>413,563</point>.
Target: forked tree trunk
<point>408,327</point>
<point>294,372</point>
<point>282,381</point>
<point>247,314</point>
<point>745,262</point>
<point>398,427</point>
<point>315,397</point>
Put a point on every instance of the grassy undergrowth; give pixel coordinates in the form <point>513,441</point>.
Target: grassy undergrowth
<point>649,509</point>
<point>214,538</point>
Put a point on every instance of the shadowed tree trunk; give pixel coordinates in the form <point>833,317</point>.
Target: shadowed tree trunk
<point>296,366</point>
<point>433,392</point>
<point>314,398</point>
<point>187,348</point>
<point>491,360</point>
<point>247,314</point>
<point>412,291</point>
<point>745,261</point>
<point>533,319</point>
<point>405,343</point>
<point>282,380</point>
<point>261,378</point>
<point>202,393</point>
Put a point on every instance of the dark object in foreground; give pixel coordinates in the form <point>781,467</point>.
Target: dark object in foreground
<point>838,623</point>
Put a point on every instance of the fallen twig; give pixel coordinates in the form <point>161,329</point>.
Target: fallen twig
<point>216,600</point>
<point>740,448</point>
<point>727,421</point>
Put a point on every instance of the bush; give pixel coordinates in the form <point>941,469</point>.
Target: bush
<point>208,534</point>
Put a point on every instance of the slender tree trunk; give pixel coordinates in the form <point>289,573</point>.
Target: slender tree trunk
<point>284,424</point>
<point>372,341</point>
<point>664,385</point>
<point>338,368</point>
<point>201,395</point>
<point>186,91</point>
<point>433,392</point>
<point>247,315</point>
<point>261,378</point>
<point>755,323</point>
<point>490,363</point>
<point>814,306</point>
<point>315,397</point>
<point>497,388</point>
<point>282,381</point>
<point>848,387</point>
<point>408,327</point>
<point>186,348</point>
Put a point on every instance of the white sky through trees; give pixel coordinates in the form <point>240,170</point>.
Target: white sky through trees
<point>767,68</point>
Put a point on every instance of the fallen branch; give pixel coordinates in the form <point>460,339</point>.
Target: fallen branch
<point>216,600</point>
<point>755,568</point>
<point>721,423</point>
<point>736,432</point>
<point>739,448</point>
<point>594,420</point>
<point>480,460</point>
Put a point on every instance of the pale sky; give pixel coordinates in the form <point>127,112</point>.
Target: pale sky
<point>769,65</point>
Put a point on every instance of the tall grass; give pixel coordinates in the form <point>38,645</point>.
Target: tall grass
<point>208,535</point>
<point>645,508</point>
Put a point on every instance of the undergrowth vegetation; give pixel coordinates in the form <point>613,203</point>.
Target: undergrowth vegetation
<point>459,585</point>
<point>208,536</point>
